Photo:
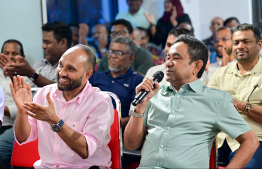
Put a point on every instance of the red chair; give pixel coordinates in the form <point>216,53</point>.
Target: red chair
<point>115,143</point>
<point>25,155</point>
<point>213,157</point>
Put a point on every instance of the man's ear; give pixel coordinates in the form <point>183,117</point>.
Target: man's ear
<point>63,43</point>
<point>131,35</point>
<point>259,43</point>
<point>131,58</point>
<point>89,73</point>
<point>197,66</point>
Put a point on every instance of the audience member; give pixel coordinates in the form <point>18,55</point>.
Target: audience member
<point>185,25</point>
<point>223,46</point>
<point>136,37</point>
<point>120,78</point>
<point>143,59</point>
<point>243,81</point>
<point>182,120</point>
<point>10,49</point>
<point>216,23</point>
<point>135,14</point>
<point>172,17</point>
<point>80,115</point>
<point>142,40</point>
<point>101,39</point>
<point>57,39</point>
<point>173,34</point>
<point>231,22</point>
<point>75,34</point>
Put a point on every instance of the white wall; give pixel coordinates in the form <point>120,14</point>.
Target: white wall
<point>201,12</point>
<point>22,20</point>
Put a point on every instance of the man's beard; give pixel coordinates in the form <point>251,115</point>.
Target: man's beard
<point>73,84</point>
<point>119,69</point>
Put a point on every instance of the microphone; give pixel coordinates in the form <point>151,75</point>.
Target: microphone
<point>157,77</point>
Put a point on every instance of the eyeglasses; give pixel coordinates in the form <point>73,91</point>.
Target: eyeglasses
<point>224,39</point>
<point>118,53</point>
<point>122,32</point>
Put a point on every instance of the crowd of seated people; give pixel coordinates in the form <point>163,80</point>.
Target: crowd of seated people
<point>211,88</point>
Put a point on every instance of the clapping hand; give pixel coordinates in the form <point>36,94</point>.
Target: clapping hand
<point>20,67</point>
<point>4,60</point>
<point>21,92</point>
<point>173,17</point>
<point>149,17</point>
<point>43,113</point>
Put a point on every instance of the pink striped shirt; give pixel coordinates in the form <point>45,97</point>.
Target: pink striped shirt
<point>89,113</point>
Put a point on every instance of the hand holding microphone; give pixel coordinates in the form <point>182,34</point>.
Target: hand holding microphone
<point>146,86</point>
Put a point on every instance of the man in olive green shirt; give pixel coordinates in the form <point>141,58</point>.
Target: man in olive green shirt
<point>180,122</point>
<point>243,80</point>
<point>143,59</point>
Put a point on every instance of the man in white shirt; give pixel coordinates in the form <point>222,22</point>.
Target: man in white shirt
<point>10,49</point>
<point>135,14</point>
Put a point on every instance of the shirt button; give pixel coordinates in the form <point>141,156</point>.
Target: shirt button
<point>177,96</point>
<point>158,164</point>
<point>161,146</point>
<point>113,81</point>
<point>168,128</point>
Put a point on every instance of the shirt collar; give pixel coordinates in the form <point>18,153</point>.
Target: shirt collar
<point>139,12</point>
<point>195,86</point>
<point>47,62</point>
<point>256,69</point>
<point>58,95</point>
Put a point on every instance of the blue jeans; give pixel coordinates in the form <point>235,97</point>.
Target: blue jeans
<point>6,147</point>
<point>225,155</point>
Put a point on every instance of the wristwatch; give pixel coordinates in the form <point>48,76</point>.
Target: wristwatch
<point>57,127</point>
<point>34,76</point>
<point>248,107</point>
<point>134,114</point>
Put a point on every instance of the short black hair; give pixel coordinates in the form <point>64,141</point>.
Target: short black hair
<point>253,28</point>
<point>124,22</point>
<point>180,31</point>
<point>142,29</point>
<point>14,41</point>
<point>197,50</point>
<point>231,19</point>
<point>61,30</point>
<point>91,61</point>
<point>225,27</point>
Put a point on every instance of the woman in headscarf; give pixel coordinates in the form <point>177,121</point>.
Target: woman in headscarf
<point>173,16</point>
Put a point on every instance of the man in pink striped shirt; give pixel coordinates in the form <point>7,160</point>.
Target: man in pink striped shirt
<point>80,115</point>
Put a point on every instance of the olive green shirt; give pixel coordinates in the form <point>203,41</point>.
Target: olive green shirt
<point>142,62</point>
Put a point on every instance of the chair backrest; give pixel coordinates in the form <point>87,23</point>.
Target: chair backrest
<point>25,155</point>
<point>213,162</point>
<point>115,143</point>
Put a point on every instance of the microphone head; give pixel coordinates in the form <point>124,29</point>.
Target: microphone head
<point>158,76</point>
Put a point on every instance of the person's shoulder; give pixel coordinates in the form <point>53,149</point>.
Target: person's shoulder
<point>142,54</point>
<point>216,94</point>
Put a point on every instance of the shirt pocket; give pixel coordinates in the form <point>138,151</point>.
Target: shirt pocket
<point>77,126</point>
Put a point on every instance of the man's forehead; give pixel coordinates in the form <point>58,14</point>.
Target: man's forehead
<point>74,55</point>
<point>241,35</point>
<point>176,46</point>
<point>119,27</point>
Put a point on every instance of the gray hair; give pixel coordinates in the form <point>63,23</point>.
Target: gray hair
<point>130,45</point>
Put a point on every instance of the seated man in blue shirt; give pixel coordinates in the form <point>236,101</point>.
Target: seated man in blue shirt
<point>120,78</point>
<point>180,121</point>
